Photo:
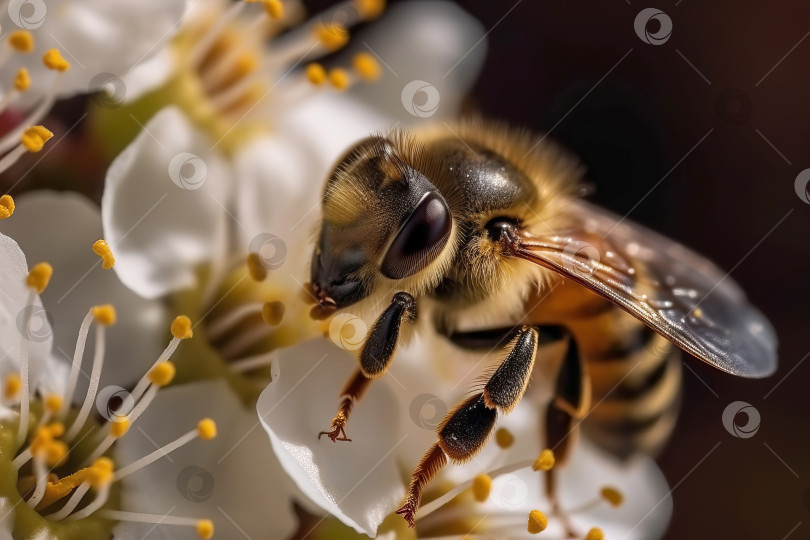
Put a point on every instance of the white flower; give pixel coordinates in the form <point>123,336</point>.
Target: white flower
<point>156,476</point>
<point>232,167</point>
<point>362,482</point>
<point>64,47</point>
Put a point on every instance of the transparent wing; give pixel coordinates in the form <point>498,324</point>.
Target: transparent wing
<point>675,291</point>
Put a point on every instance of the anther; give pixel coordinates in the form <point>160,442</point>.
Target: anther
<point>545,461</point>
<point>369,9</point>
<point>316,74</point>
<point>21,41</point>
<point>482,485</point>
<point>6,207</point>
<point>612,496</point>
<point>103,250</point>
<point>35,137</point>
<point>504,438</point>
<point>537,522</point>
<point>54,60</point>
<point>39,277</point>
<point>22,81</point>
<point>274,8</point>
<point>119,428</point>
<point>162,374</point>
<point>104,314</point>
<point>205,529</point>
<point>273,313</point>
<point>256,269</point>
<point>206,429</point>
<point>13,386</point>
<point>339,78</point>
<point>595,534</point>
<point>366,66</point>
<point>333,37</point>
<point>181,327</point>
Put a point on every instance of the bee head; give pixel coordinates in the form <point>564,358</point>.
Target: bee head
<point>382,220</point>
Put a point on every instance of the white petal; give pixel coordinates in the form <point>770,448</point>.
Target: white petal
<point>164,203</point>
<point>60,228</point>
<point>147,76</point>
<point>232,480</point>
<point>15,311</point>
<point>435,42</point>
<point>358,482</point>
<point>97,37</point>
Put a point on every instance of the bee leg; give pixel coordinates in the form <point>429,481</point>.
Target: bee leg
<point>465,430</point>
<point>563,416</point>
<point>375,358</point>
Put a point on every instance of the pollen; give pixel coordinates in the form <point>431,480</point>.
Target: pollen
<point>13,386</point>
<point>274,8</point>
<point>545,461</point>
<point>207,429</point>
<point>104,314</point>
<point>54,60</point>
<point>595,534</point>
<point>366,66</point>
<point>162,374</point>
<point>103,250</point>
<point>369,9</point>
<point>537,522</point>
<point>53,403</point>
<point>181,327</point>
<point>22,81</point>
<point>316,74</point>
<point>333,37</point>
<point>119,428</point>
<point>6,207</point>
<point>35,137</point>
<point>482,485</point>
<point>273,313</point>
<point>21,41</point>
<point>55,453</point>
<point>256,269</point>
<point>39,276</point>
<point>504,438</point>
<point>612,496</point>
<point>205,529</point>
<point>101,472</point>
<point>339,78</point>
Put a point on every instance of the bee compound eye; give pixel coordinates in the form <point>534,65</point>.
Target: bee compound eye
<point>420,239</point>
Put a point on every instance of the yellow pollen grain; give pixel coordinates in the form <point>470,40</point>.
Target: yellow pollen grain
<point>366,66</point>
<point>119,428</point>
<point>545,461</point>
<point>274,9</point>
<point>54,60</point>
<point>6,207</point>
<point>55,452</point>
<point>207,429</point>
<point>369,9</point>
<point>273,313</point>
<point>39,276</point>
<point>612,496</point>
<point>13,386</point>
<point>53,403</point>
<point>162,374</point>
<point>537,522</point>
<point>57,429</point>
<point>205,529</point>
<point>181,327</point>
<point>316,74</point>
<point>339,78</point>
<point>104,314</point>
<point>255,267</point>
<point>103,250</point>
<point>595,534</point>
<point>504,438</point>
<point>35,137</point>
<point>481,486</point>
<point>333,37</point>
<point>22,81</point>
<point>21,41</point>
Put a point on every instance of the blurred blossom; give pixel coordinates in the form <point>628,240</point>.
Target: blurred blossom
<point>361,482</point>
<point>85,468</point>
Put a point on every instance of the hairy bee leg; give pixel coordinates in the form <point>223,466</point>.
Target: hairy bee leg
<point>571,402</point>
<point>375,357</point>
<point>353,391</point>
<point>465,430</point>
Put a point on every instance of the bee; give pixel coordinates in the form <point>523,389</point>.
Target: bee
<point>481,231</point>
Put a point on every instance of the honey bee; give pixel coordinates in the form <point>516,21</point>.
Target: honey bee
<point>481,231</point>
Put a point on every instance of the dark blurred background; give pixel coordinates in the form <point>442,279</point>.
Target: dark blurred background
<point>700,137</point>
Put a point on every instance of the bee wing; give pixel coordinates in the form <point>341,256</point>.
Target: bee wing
<point>673,290</point>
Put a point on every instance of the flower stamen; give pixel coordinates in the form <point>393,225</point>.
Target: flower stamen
<point>203,527</point>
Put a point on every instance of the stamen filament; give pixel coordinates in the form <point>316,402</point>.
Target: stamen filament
<point>95,378</point>
<point>41,473</point>
<point>251,362</point>
<point>9,140</point>
<point>100,500</point>
<point>203,46</point>
<point>78,353</point>
<point>229,321</point>
<point>156,455</point>
<point>71,504</point>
